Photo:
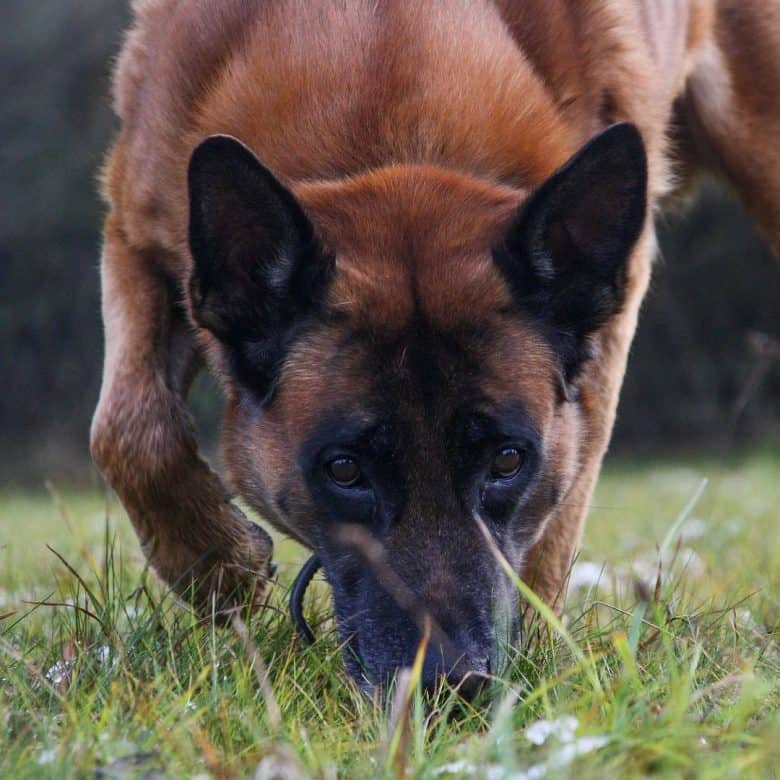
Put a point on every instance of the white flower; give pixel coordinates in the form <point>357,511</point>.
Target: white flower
<point>563,729</point>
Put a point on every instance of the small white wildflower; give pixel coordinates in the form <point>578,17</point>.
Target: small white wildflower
<point>745,619</point>
<point>47,757</point>
<point>562,757</point>
<point>586,574</point>
<point>694,528</point>
<point>455,768</point>
<point>58,673</point>
<point>563,729</point>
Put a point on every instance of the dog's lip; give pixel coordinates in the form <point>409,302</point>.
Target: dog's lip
<point>297,592</point>
<point>353,661</point>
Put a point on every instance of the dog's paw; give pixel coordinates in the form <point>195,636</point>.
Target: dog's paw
<point>242,570</point>
<point>226,568</point>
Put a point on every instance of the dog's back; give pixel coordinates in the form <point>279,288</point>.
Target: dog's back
<point>503,91</point>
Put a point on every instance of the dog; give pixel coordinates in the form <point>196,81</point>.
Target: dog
<point>411,241</point>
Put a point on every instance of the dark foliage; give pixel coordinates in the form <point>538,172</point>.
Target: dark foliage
<point>715,283</point>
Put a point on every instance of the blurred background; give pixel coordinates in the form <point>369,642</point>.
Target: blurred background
<point>697,378</point>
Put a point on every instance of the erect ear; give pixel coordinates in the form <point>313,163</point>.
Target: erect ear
<point>565,255</point>
<point>258,269</point>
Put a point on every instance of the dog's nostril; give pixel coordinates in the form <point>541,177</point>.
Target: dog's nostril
<point>470,684</point>
<point>467,677</point>
<point>467,682</point>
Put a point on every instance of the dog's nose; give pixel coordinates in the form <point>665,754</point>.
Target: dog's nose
<point>464,674</point>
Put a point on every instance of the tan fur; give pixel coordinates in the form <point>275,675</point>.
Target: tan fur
<point>436,116</point>
<point>448,221</point>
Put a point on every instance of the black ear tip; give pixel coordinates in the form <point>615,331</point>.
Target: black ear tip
<point>623,132</point>
<point>628,131</point>
<point>219,150</point>
<point>625,136</point>
<point>218,144</point>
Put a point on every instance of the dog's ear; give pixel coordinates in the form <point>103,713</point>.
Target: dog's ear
<point>258,269</point>
<point>564,257</point>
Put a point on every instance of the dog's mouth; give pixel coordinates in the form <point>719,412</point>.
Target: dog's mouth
<point>353,660</point>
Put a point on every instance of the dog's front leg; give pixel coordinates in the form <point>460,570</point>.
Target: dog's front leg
<point>142,442</point>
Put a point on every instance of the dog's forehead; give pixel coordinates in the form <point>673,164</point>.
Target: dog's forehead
<point>430,373</point>
<point>412,239</point>
<point>420,376</point>
<point>418,302</point>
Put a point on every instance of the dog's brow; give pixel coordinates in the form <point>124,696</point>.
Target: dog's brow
<point>340,427</point>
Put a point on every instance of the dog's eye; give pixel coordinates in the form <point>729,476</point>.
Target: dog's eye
<point>507,462</point>
<point>344,471</point>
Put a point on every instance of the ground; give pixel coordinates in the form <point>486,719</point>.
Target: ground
<point>666,661</point>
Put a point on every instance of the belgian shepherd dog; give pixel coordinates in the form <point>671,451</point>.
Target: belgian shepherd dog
<point>410,239</point>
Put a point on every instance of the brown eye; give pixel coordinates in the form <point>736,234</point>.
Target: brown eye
<point>507,462</point>
<point>344,471</point>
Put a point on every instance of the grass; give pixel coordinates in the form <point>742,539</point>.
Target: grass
<point>673,676</point>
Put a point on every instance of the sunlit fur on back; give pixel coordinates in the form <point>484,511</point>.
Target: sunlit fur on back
<point>419,231</point>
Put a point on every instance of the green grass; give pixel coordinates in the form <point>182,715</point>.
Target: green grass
<point>682,680</point>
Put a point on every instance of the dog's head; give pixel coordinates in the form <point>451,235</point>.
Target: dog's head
<point>401,352</point>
